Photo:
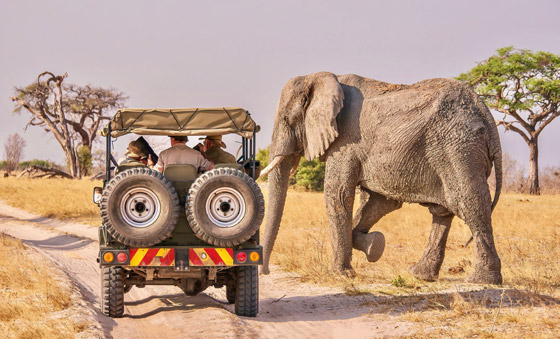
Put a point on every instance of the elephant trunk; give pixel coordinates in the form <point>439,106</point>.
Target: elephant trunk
<point>277,189</point>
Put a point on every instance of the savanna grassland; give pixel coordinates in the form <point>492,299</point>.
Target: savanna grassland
<point>527,234</point>
<point>35,302</point>
<point>56,198</point>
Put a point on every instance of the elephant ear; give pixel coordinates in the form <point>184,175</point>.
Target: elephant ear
<point>325,100</point>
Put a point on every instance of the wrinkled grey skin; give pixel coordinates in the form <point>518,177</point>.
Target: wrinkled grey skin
<point>432,143</point>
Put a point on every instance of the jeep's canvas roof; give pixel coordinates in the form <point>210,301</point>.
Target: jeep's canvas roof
<point>182,121</point>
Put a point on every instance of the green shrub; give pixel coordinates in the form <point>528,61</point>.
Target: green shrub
<point>36,162</point>
<point>85,160</point>
<point>310,175</point>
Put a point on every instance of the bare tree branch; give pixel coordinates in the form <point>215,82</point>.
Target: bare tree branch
<point>510,127</point>
<point>546,122</point>
<point>72,113</point>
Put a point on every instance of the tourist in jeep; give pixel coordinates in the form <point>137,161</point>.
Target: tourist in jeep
<point>134,155</point>
<point>181,154</point>
<point>212,146</point>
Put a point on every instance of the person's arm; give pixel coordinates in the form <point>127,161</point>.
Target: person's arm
<point>204,164</point>
<point>210,164</point>
<point>150,162</point>
<point>160,165</point>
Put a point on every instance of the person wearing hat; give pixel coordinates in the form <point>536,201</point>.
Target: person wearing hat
<point>135,155</point>
<point>213,145</point>
<point>181,154</point>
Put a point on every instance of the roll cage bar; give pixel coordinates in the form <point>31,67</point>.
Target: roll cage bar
<point>248,153</point>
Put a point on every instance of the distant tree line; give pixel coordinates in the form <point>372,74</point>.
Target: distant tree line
<point>28,163</point>
<point>516,181</point>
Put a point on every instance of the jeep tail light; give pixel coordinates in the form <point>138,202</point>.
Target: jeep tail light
<point>122,257</point>
<point>108,257</point>
<point>241,256</point>
<point>254,256</point>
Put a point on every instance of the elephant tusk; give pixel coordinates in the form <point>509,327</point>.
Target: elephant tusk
<point>272,165</point>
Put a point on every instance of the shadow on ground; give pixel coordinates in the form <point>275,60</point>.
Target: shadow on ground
<point>60,242</point>
<point>172,302</point>
<point>341,306</point>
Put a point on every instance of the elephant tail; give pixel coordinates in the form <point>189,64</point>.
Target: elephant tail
<point>498,173</point>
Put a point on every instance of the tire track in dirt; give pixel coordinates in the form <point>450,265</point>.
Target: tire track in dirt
<point>287,309</point>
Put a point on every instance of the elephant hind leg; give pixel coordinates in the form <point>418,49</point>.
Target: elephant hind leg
<point>427,268</point>
<point>477,214</point>
<point>373,207</point>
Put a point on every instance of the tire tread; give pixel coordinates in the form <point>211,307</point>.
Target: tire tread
<point>112,291</point>
<point>247,291</point>
<point>174,212</point>
<point>195,189</point>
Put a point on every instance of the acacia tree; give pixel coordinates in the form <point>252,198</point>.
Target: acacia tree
<point>70,112</point>
<point>13,149</point>
<point>525,87</point>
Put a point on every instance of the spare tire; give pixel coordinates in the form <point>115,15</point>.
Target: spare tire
<point>139,207</point>
<point>225,207</point>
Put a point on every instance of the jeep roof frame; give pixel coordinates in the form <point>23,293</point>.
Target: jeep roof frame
<point>183,122</point>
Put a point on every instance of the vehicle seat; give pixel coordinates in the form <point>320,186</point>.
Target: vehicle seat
<point>229,165</point>
<point>181,177</point>
<point>124,167</point>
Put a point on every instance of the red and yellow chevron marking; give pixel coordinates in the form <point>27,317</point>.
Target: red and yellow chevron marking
<point>152,257</point>
<point>210,257</point>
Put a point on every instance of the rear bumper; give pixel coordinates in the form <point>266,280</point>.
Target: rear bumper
<point>180,258</point>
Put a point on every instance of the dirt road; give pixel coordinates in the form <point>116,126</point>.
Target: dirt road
<point>288,308</point>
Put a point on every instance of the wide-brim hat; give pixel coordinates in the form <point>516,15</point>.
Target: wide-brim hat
<point>216,139</point>
<point>134,150</point>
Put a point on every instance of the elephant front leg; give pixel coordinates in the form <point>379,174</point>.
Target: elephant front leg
<point>429,265</point>
<point>372,208</point>
<point>339,199</point>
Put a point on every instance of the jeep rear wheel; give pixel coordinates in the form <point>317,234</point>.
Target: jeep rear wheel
<point>225,207</point>
<point>112,291</point>
<point>140,207</point>
<point>231,288</point>
<point>247,291</point>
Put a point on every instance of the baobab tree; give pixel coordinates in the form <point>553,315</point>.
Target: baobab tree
<point>525,87</point>
<point>72,113</point>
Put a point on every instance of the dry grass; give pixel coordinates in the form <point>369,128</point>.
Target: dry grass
<point>60,198</point>
<point>527,231</point>
<point>34,301</point>
<point>526,228</point>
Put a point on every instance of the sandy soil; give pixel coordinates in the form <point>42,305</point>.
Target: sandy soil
<point>288,308</point>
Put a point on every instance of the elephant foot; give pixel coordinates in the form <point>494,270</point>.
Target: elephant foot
<point>345,271</point>
<point>372,244</point>
<point>483,276</point>
<point>349,273</point>
<point>423,271</point>
<point>376,246</point>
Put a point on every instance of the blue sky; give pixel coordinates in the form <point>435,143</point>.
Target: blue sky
<point>241,53</point>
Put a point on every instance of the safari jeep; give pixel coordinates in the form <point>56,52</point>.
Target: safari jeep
<point>180,227</point>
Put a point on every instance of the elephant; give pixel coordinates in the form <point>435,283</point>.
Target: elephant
<point>433,143</point>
